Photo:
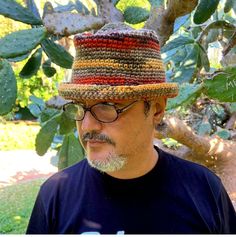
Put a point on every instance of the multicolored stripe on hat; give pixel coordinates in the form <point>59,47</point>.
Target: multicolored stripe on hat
<point>117,62</point>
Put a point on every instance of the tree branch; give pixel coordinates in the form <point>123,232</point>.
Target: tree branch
<point>231,44</point>
<point>162,20</point>
<point>203,147</point>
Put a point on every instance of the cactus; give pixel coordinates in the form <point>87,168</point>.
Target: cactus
<point>187,93</point>
<point>222,86</point>
<point>33,8</point>
<point>13,10</point>
<point>19,58</point>
<point>47,69</point>
<point>204,10</point>
<point>57,53</point>
<point>67,125</point>
<point>67,23</point>
<point>71,151</point>
<point>135,15</point>
<point>8,89</point>
<point>46,134</point>
<point>21,42</point>
<point>33,64</point>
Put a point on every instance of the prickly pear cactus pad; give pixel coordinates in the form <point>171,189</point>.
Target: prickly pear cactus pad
<point>8,87</point>
<point>13,10</point>
<point>21,42</point>
<point>222,86</point>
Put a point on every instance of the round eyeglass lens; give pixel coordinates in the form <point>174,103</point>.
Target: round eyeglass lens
<point>75,111</point>
<point>104,112</point>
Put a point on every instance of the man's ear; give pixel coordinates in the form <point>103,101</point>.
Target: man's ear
<point>159,110</point>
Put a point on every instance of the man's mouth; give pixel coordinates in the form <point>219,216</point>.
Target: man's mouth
<point>94,138</point>
<point>93,142</point>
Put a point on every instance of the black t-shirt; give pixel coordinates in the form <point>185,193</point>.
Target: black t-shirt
<point>176,196</point>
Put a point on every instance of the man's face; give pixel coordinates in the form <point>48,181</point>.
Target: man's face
<point>113,146</point>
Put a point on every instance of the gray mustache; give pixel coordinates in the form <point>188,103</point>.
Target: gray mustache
<point>99,137</point>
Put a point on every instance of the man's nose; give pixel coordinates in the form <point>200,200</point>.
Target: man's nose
<point>89,123</point>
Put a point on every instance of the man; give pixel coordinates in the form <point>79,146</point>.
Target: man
<point>126,185</point>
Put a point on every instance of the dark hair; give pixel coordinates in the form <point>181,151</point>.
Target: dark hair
<point>147,106</point>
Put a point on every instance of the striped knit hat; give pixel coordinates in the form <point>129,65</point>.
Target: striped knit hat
<point>117,62</point>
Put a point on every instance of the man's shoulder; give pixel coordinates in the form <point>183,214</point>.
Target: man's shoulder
<point>187,169</point>
<point>66,177</point>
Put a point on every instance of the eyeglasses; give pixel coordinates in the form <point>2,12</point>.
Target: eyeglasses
<point>103,112</point>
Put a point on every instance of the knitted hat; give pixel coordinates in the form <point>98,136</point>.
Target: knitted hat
<point>117,62</point>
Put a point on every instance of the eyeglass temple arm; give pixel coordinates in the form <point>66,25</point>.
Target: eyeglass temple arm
<point>125,108</point>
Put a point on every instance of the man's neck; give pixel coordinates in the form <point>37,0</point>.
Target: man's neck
<point>137,167</point>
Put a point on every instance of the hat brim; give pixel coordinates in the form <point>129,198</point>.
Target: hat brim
<point>77,92</point>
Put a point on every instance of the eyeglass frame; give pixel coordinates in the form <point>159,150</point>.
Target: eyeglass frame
<point>118,110</point>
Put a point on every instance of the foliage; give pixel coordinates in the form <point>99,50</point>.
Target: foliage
<point>58,129</point>
<point>17,136</point>
<point>204,10</point>
<point>33,64</point>
<point>21,42</point>
<point>222,86</point>
<point>171,143</point>
<point>135,15</point>
<point>186,57</point>
<point>17,12</point>
<point>70,152</point>
<point>7,87</point>
<point>187,94</point>
<point>9,26</point>
<point>38,85</point>
<point>16,204</point>
<point>57,54</point>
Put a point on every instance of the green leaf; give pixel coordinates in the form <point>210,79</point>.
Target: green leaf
<point>157,3</point>
<point>204,10</point>
<point>47,114</point>
<point>47,69</point>
<point>115,2</point>
<point>71,151</point>
<point>40,102</point>
<point>185,71</point>
<point>80,7</point>
<point>233,107</point>
<point>177,42</point>
<point>171,143</point>
<point>187,92</point>
<point>35,110</point>
<point>222,86</point>
<point>1,64</point>
<point>230,4</point>
<point>33,8</point>
<point>13,10</point>
<point>135,15</point>
<point>19,58</point>
<point>203,58</point>
<point>33,64</point>
<point>45,136</point>
<point>57,54</point>
<point>204,129</point>
<point>66,125</point>
<point>8,88</point>
<point>21,42</point>
<point>180,21</point>
<point>179,56</point>
<point>224,134</point>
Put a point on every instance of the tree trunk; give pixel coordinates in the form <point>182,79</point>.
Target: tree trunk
<point>217,154</point>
